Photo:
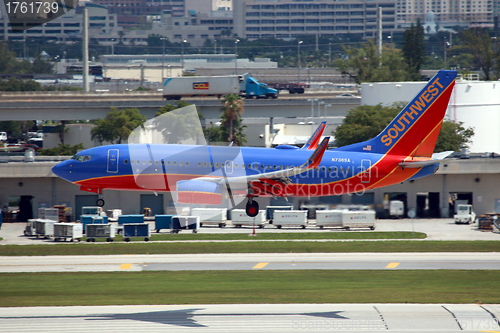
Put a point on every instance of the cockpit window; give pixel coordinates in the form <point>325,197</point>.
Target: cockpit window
<point>81,158</point>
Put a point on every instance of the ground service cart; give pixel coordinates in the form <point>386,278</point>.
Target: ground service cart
<point>163,222</point>
<point>329,218</point>
<point>240,218</point>
<point>71,231</point>
<point>44,228</point>
<point>94,231</point>
<point>136,230</point>
<point>211,216</point>
<point>185,223</point>
<point>290,218</point>
<point>358,219</point>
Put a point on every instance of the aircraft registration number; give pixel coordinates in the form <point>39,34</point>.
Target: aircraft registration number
<point>341,159</point>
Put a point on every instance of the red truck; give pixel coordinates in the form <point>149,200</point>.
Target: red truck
<point>292,87</point>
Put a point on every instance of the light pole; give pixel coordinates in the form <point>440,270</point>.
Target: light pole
<point>319,108</point>
<point>446,44</point>
<point>298,61</point>
<point>236,56</point>
<point>182,46</point>
<point>312,100</point>
<point>329,52</point>
<point>327,106</point>
<point>163,58</point>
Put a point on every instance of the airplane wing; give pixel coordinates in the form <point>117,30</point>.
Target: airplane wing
<point>436,158</point>
<point>312,162</point>
<point>313,141</point>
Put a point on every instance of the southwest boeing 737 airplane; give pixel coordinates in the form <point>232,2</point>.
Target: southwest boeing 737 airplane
<point>208,175</point>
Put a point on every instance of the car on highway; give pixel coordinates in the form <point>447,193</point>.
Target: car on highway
<point>347,95</point>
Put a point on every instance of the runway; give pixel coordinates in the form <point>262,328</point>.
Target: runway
<point>258,261</point>
<point>255,318</point>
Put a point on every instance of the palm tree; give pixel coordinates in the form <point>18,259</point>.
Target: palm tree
<point>232,111</point>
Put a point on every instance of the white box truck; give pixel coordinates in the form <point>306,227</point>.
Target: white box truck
<point>211,216</point>
<point>177,87</point>
<point>240,218</point>
<point>72,231</point>
<point>358,219</point>
<point>329,218</point>
<point>290,218</point>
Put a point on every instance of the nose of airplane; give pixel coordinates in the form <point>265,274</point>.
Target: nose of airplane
<point>62,169</point>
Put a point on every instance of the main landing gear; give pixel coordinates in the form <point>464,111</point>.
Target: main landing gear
<point>252,208</point>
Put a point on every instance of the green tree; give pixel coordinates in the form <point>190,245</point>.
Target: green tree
<point>413,48</point>
<point>365,65</point>
<point>117,125</point>
<point>178,126</point>
<point>62,150</point>
<point>231,119</point>
<point>42,65</point>
<point>478,42</point>
<point>365,122</point>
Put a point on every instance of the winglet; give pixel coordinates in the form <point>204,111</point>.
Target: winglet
<point>313,141</point>
<point>316,157</point>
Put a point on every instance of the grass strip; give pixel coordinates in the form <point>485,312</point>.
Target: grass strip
<point>279,236</point>
<point>249,247</point>
<point>217,287</point>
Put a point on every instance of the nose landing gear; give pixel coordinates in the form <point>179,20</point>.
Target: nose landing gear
<point>100,201</point>
<point>252,208</point>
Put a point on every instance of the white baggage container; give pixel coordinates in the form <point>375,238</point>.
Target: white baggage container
<point>63,231</point>
<point>329,218</point>
<point>185,223</point>
<point>240,218</point>
<point>211,216</point>
<point>396,208</point>
<point>113,214</point>
<point>44,228</point>
<point>359,219</point>
<point>94,231</point>
<point>48,214</point>
<point>290,218</point>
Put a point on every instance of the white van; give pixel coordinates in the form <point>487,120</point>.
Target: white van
<point>3,136</point>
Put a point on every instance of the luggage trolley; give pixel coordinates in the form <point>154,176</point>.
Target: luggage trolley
<point>136,230</point>
<point>185,223</point>
<point>107,231</point>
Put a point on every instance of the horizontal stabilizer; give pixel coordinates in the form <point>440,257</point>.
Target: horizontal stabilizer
<point>436,158</point>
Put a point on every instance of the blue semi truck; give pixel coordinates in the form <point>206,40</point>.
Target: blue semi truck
<point>244,85</point>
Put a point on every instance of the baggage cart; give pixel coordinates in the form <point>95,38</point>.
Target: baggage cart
<point>64,231</point>
<point>240,218</point>
<point>358,219</point>
<point>136,230</point>
<point>49,214</point>
<point>185,223</point>
<point>270,211</point>
<point>113,214</point>
<point>329,218</point>
<point>163,222</point>
<point>211,216</point>
<point>29,231</point>
<point>107,231</point>
<point>290,218</point>
<point>44,228</point>
<point>92,219</point>
<point>124,219</point>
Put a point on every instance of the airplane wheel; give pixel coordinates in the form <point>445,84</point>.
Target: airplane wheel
<point>100,202</point>
<point>252,208</point>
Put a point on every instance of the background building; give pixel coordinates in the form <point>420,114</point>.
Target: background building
<point>284,19</point>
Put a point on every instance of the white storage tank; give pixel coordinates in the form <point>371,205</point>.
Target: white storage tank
<point>290,218</point>
<point>240,218</point>
<point>329,218</point>
<point>63,231</point>
<point>358,219</point>
<point>211,216</point>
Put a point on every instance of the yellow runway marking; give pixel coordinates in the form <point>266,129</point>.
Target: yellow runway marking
<point>126,266</point>
<point>392,265</point>
<point>261,265</point>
